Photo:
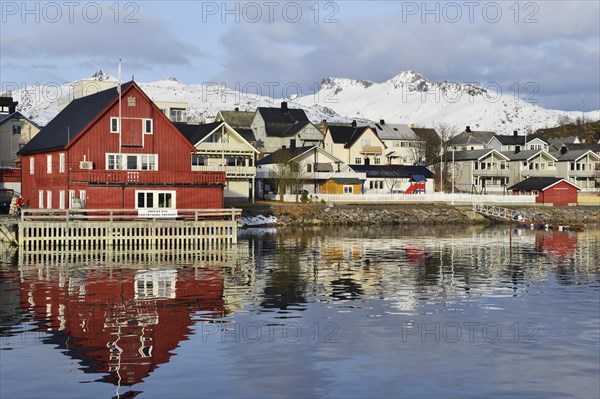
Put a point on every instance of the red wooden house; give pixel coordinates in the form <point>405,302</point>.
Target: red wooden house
<point>548,190</point>
<point>111,151</point>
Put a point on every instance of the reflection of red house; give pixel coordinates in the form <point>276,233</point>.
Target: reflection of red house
<point>558,243</point>
<point>101,153</point>
<point>122,322</point>
<point>548,190</point>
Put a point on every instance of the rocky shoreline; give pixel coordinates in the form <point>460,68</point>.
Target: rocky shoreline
<point>411,214</point>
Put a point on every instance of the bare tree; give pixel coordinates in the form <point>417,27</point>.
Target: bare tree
<point>441,161</point>
<point>287,174</point>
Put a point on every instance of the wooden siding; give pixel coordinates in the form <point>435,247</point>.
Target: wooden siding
<point>331,187</point>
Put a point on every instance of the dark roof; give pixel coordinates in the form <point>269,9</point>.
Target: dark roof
<point>536,183</point>
<point>70,122</point>
<point>277,120</point>
<point>194,133</point>
<point>515,140</point>
<point>522,155</point>
<point>467,155</point>
<point>570,155</point>
<point>247,134</point>
<point>347,135</point>
<point>427,134</point>
<point>347,180</point>
<point>294,129</point>
<point>472,137</point>
<point>582,146</point>
<point>17,114</point>
<point>392,171</point>
<point>283,155</point>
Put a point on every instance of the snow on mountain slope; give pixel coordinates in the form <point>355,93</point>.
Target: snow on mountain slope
<point>410,98</point>
<point>406,98</point>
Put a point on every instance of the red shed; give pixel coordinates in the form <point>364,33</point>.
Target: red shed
<point>115,150</point>
<point>549,190</point>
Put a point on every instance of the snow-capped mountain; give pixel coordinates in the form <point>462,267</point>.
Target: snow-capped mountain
<point>410,98</point>
<point>406,98</point>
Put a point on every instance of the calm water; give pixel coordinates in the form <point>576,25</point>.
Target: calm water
<point>343,313</point>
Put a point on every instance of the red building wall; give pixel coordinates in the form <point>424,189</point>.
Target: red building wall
<point>561,194</point>
<point>95,141</point>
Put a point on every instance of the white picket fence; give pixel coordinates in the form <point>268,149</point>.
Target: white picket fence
<point>418,198</point>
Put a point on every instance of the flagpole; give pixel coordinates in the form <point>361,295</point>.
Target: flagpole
<point>120,122</point>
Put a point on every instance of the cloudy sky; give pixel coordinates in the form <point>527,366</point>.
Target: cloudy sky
<point>545,51</point>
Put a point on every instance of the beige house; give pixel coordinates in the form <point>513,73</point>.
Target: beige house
<point>174,110</point>
<point>220,148</point>
<point>275,128</point>
<point>479,171</point>
<point>530,163</point>
<point>580,167</point>
<point>15,131</point>
<point>469,140</point>
<point>355,145</point>
<point>314,170</point>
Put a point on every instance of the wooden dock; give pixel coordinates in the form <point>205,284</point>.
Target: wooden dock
<point>111,232</point>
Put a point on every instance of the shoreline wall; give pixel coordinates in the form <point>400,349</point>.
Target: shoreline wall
<point>414,214</point>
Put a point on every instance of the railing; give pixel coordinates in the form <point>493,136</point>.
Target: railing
<point>113,215</point>
<point>491,172</point>
<point>225,148</point>
<point>370,149</point>
<point>420,198</point>
<point>230,171</point>
<point>9,173</point>
<point>146,177</point>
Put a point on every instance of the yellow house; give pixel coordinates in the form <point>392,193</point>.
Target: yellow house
<point>341,185</point>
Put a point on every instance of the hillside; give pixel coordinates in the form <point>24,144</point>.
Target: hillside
<point>590,131</point>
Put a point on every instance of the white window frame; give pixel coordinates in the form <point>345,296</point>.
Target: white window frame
<point>144,121</point>
<point>122,164</point>
<point>82,198</point>
<point>348,189</point>
<point>61,162</point>
<point>358,161</point>
<point>41,199</point>
<point>118,125</point>
<point>32,165</point>
<point>49,199</point>
<point>71,198</point>
<point>49,164</point>
<point>155,198</point>
<point>61,199</point>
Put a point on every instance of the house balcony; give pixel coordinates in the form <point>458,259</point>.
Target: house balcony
<point>224,148</point>
<point>230,171</point>
<point>491,172</point>
<point>371,150</point>
<point>143,177</point>
<point>580,174</point>
<point>539,173</point>
<point>10,175</point>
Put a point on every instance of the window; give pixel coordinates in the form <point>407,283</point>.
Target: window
<point>49,163</point>
<point>41,199</point>
<point>132,161</point>
<point>155,199</point>
<point>348,189</point>
<point>572,165</point>
<point>309,168</point>
<point>61,199</point>
<point>357,161</point>
<point>114,125</point>
<point>377,161</point>
<point>16,129</point>
<point>114,161</point>
<point>198,160</point>
<point>131,101</point>
<point>177,115</point>
<point>61,162</point>
<point>49,199</point>
<point>31,165</point>
<point>365,142</point>
<point>148,124</point>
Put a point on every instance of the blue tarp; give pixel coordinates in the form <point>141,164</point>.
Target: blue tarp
<point>416,178</point>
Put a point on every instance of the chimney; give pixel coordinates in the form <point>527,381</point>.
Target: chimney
<point>563,149</point>
<point>284,107</point>
<point>237,109</point>
<point>468,129</point>
<point>382,122</point>
<point>353,123</point>
<point>515,133</point>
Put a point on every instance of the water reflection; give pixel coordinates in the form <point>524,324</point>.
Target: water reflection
<point>122,320</point>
